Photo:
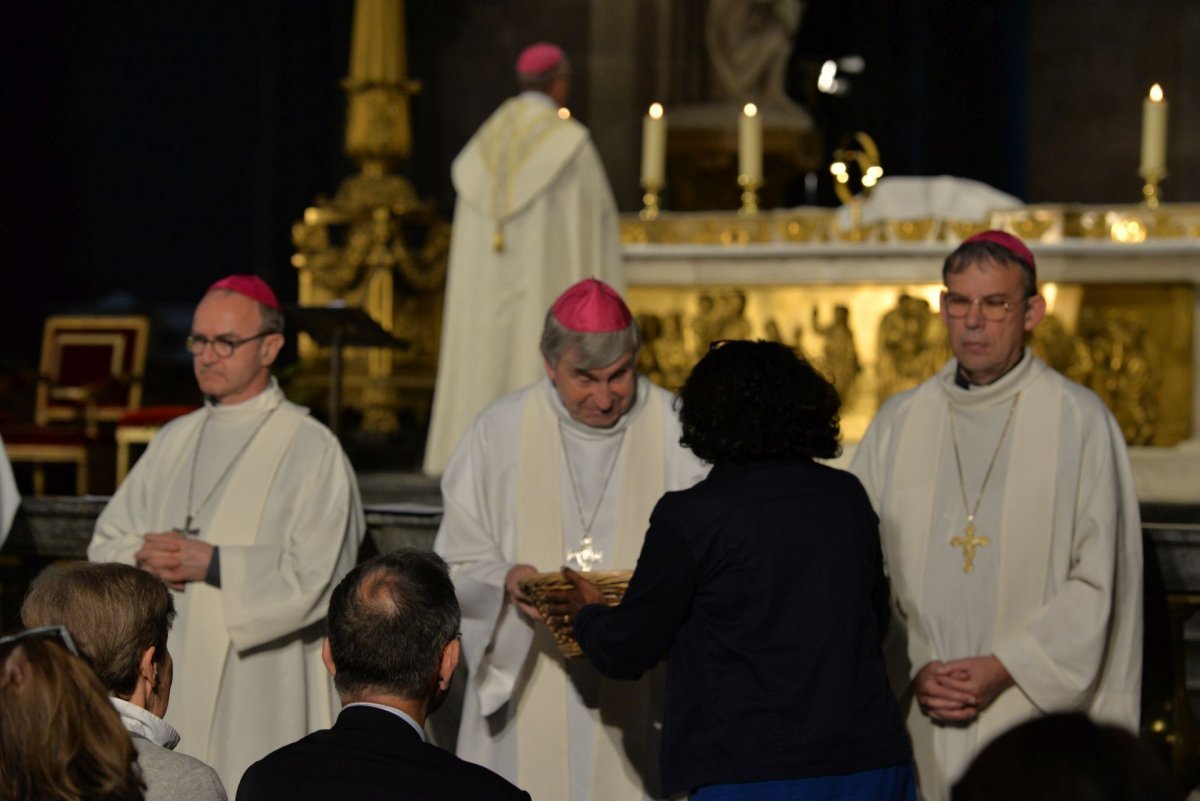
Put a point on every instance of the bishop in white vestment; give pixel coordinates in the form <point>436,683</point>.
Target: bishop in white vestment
<point>1010,528</point>
<point>249,510</point>
<point>569,466</point>
<point>534,215</point>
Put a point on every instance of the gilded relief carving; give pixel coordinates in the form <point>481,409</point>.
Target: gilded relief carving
<point>1128,343</point>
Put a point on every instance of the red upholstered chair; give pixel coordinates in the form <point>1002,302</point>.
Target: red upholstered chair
<point>91,373</point>
<point>138,428</point>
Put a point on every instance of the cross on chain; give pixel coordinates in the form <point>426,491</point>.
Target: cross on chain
<point>969,544</point>
<point>587,556</point>
<point>187,530</point>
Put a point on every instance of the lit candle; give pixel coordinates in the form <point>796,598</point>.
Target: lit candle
<point>654,146</point>
<point>1154,132</point>
<point>750,144</point>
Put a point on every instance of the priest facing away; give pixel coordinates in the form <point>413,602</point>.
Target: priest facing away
<point>1010,528</point>
<point>564,471</point>
<point>248,509</point>
<point>534,215</point>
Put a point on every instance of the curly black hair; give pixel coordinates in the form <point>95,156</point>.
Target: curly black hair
<point>746,401</point>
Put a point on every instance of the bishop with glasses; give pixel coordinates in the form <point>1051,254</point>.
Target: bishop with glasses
<point>249,510</point>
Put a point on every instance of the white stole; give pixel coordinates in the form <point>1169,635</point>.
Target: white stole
<point>517,153</point>
<point>1028,508</point>
<point>206,640</point>
<point>542,732</point>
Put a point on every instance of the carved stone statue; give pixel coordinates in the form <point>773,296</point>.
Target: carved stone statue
<point>841,357</point>
<point>749,44</point>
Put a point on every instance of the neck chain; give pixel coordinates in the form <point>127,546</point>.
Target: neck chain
<point>587,556</point>
<point>969,542</point>
<point>187,529</point>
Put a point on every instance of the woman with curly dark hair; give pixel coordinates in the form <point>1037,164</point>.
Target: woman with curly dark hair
<point>763,585</point>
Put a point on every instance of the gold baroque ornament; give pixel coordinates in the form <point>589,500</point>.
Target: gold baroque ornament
<point>427,271</point>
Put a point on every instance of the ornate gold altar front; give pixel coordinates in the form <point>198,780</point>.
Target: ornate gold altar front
<point>867,310</point>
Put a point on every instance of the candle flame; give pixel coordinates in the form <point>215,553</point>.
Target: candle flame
<point>750,110</point>
<point>656,111</point>
<point>564,113</point>
<point>1156,94</point>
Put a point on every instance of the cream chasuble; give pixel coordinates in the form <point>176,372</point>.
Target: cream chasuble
<point>528,714</point>
<point>286,517</point>
<point>533,183</point>
<point>1056,591</point>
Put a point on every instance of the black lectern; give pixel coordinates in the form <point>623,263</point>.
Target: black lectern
<point>337,327</point>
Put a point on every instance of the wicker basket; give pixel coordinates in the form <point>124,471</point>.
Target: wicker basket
<point>611,583</point>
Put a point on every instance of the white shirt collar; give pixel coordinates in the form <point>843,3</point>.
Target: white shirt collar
<point>264,401</point>
<point>145,723</point>
<point>397,712</point>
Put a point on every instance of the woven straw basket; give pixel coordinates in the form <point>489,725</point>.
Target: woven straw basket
<point>611,583</point>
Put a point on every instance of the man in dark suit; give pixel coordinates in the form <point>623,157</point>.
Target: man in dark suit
<point>392,649</point>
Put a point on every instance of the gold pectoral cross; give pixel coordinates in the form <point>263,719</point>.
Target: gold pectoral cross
<point>969,544</point>
<point>587,556</point>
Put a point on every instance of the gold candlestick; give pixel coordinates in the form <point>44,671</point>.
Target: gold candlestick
<point>1150,191</point>
<point>650,201</point>
<point>749,196</point>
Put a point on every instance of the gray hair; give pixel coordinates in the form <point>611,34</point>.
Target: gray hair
<point>982,252</point>
<point>595,349</point>
<point>272,319</point>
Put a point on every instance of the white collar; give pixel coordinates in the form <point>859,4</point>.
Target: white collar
<point>982,396</point>
<point>539,97</point>
<point>264,401</point>
<point>400,713</point>
<point>145,723</point>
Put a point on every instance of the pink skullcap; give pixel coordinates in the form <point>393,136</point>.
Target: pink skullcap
<point>539,58</point>
<point>1008,242</point>
<point>251,286</point>
<point>592,307</point>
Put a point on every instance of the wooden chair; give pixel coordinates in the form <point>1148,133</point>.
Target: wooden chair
<point>138,428</point>
<point>90,373</point>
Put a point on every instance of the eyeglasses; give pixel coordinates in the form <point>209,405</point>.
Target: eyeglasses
<point>222,346</point>
<point>994,309</point>
<point>58,634</point>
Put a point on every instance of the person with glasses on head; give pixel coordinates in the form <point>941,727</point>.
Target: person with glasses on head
<point>1010,527</point>
<point>120,617</point>
<point>249,510</point>
<point>565,470</point>
<point>392,648</point>
<point>60,739</point>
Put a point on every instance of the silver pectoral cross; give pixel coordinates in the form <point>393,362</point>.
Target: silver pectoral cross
<point>187,530</point>
<point>586,556</point>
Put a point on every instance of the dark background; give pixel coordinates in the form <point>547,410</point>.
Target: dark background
<point>153,147</point>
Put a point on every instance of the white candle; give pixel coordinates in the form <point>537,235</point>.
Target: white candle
<point>654,146</point>
<point>750,144</point>
<point>1154,131</point>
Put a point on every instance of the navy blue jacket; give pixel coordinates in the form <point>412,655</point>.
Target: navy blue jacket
<point>764,587</point>
<point>370,755</point>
